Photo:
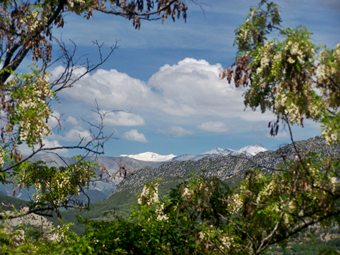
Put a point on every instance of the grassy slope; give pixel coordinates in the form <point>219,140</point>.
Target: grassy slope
<point>7,200</point>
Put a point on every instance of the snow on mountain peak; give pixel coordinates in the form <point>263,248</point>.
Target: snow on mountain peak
<point>252,149</point>
<point>219,151</point>
<point>150,156</point>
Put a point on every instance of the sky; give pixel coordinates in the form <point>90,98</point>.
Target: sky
<point>161,90</point>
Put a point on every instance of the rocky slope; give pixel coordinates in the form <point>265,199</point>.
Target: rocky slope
<point>224,166</point>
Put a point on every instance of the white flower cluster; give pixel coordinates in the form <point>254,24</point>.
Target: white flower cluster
<point>32,110</point>
<point>149,195</point>
<point>209,236</point>
<point>287,103</point>
<point>264,57</point>
<point>329,65</point>
<point>18,237</point>
<point>293,113</point>
<point>32,20</point>
<point>187,193</point>
<point>205,237</point>
<point>328,76</point>
<point>296,52</point>
<point>161,216</point>
<point>226,242</point>
<point>267,191</point>
<point>2,157</point>
<point>321,72</point>
<point>335,182</point>
<point>235,203</point>
<point>331,134</point>
<point>72,3</point>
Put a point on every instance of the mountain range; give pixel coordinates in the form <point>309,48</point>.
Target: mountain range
<point>101,189</point>
<point>225,164</point>
<point>250,150</point>
<point>140,168</point>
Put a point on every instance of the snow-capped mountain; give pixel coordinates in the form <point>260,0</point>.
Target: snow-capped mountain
<point>212,152</point>
<point>219,151</point>
<point>223,167</point>
<point>150,156</point>
<point>252,150</point>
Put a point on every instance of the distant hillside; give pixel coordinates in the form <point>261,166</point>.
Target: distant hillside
<point>6,202</point>
<point>226,166</point>
<point>230,168</point>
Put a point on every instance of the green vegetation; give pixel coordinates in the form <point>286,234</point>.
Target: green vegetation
<point>7,202</point>
<point>289,76</point>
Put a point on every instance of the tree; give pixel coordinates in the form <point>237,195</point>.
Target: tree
<point>295,80</point>
<point>290,77</point>
<point>26,32</point>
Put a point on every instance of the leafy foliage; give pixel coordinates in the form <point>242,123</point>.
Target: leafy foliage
<point>203,216</point>
<point>54,186</point>
<point>289,76</point>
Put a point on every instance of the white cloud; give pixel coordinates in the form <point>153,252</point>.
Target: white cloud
<point>112,90</point>
<point>192,88</point>
<point>47,143</point>
<point>184,94</point>
<point>72,120</point>
<point>214,127</point>
<point>135,135</point>
<point>123,119</point>
<point>54,120</point>
<point>76,135</point>
<point>54,144</point>
<point>176,131</point>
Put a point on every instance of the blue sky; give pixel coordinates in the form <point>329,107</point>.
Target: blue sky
<point>161,89</point>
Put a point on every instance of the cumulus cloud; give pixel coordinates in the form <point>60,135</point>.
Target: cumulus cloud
<point>214,127</point>
<point>112,90</point>
<point>72,120</point>
<point>193,88</point>
<point>54,144</point>
<point>47,143</point>
<point>135,135</point>
<point>122,118</point>
<point>77,134</point>
<point>189,93</point>
<point>189,88</point>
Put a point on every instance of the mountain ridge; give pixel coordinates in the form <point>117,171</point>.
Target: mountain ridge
<point>224,166</point>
